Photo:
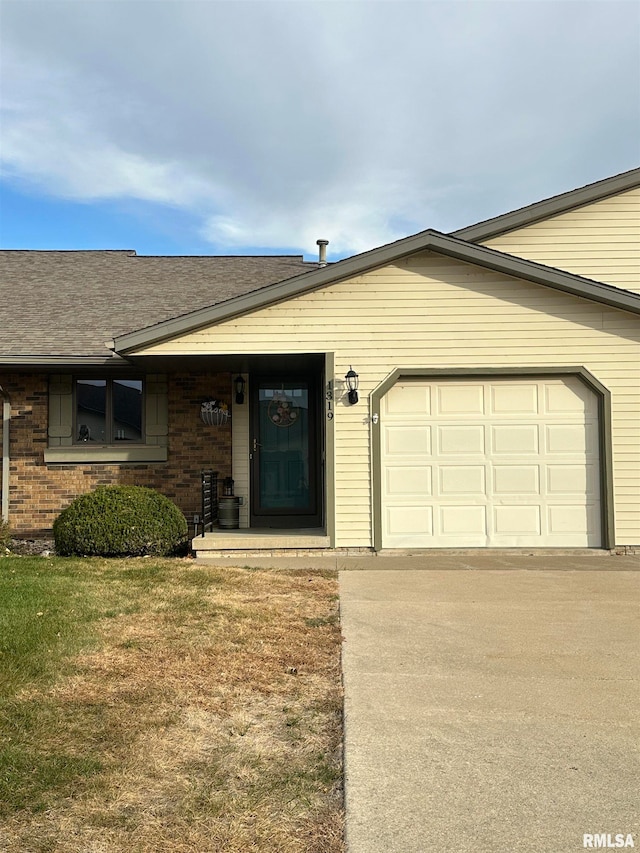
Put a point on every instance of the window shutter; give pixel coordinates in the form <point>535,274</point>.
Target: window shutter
<point>157,409</point>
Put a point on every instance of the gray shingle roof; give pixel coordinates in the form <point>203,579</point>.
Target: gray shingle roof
<point>70,303</point>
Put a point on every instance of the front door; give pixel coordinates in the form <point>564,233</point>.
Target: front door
<point>285,452</point>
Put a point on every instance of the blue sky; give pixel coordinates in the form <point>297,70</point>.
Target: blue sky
<point>255,126</point>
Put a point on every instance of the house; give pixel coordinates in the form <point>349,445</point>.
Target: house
<point>498,398</point>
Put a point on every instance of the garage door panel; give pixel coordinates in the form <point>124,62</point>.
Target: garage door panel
<point>570,396</point>
<point>499,463</point>
<point>516,480</point>
<point>565,518</point>
<point>462,480</point>
<point>407,440</point>
<point>413,400</point>
<point>463,520</point>
<point>518,520</point>
<point>566,438</point>
<point>516,440</point>
<point>461,399</point>
<point>511,399</point>
<point>460,440</point>
<point>579,480</point>
<point>410,521</point>
<point>409,482</point>
<point>574,526</point>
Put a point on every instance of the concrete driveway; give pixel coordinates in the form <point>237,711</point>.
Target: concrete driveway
<point>492,710</point>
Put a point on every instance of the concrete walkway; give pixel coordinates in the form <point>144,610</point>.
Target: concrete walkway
<point>491,710</point>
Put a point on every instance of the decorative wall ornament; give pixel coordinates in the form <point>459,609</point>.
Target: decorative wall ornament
<point>214,413</point>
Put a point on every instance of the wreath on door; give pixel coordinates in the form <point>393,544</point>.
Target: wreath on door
<point>282,413</point>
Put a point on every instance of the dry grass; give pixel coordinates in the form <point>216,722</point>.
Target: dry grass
<point>211,707</point>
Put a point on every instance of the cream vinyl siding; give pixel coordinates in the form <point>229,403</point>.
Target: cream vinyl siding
<point>429,311</point>
<point>599,241</point>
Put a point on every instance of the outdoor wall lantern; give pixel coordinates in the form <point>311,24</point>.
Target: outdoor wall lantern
<point>351,379</point>
<point>239,384</point>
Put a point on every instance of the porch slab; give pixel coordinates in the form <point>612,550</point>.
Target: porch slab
<point>259,540</point>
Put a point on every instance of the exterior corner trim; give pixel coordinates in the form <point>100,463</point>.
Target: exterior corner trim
<point>329,450</point>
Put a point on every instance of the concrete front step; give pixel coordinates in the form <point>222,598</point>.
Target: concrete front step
<point>259,540</point>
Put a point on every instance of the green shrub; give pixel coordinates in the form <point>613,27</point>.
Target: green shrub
<point>119,521</point>
<point>5,535</point>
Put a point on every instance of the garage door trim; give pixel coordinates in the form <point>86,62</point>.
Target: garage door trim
<point>603,397</point>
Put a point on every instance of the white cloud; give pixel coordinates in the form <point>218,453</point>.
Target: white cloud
<point>277,122</point>
<point>50,139</point>
<point>351,227</point>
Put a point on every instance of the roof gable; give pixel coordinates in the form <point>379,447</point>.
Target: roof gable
<point>549,207</point>
<point>424,241</point>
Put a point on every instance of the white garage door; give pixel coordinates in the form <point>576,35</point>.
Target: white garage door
<point>491,463</point>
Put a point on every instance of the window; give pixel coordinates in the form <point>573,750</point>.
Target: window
<point>108,411</point>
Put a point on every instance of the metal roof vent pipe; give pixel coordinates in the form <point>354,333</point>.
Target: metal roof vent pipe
<point>322,252</point>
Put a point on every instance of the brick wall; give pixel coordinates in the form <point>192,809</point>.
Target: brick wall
<point>38,491</point>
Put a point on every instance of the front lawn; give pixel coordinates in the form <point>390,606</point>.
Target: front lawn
<point>159,705</point>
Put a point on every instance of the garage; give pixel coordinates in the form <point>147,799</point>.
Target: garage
<point>490,462</point>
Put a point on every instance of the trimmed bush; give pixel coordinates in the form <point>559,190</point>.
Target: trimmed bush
<point>120,521</point>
